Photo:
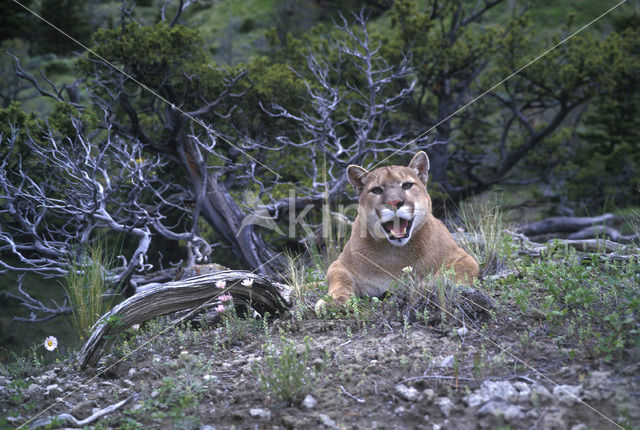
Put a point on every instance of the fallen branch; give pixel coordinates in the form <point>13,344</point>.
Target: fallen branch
<point>71,421</point>
<point>351,396</point>
<point>568,224</point>
<point>263,295</point>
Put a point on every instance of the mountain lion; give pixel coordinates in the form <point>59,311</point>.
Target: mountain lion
<point>394,229</point>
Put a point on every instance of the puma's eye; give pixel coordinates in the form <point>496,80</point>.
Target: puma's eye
<point>376,190</point>
<point>407,185</point>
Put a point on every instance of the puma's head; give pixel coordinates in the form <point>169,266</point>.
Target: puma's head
<point>393,200</point>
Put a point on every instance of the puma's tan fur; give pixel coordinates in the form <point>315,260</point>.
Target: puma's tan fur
<point>394,229</point>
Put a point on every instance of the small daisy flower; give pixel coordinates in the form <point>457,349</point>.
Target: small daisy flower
<point>224,297</point>
<point>407,269</point>
<point>51,343</point>
<point>247,282</point>
<point>461,230</point>
<point>221,284</point>
<point>220,308</point>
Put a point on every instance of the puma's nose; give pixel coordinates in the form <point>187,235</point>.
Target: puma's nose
<point>397,203</point>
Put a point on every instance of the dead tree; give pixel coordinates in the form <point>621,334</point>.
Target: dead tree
<point>59,193</point>
<point>349,120</point>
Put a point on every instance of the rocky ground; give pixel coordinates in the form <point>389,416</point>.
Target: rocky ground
<point>360,371</point>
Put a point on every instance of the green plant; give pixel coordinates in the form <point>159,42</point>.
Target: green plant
<point>23,364</point>
<point>593,303</point>
<point>239,328</point>
<point>87,288</point>
<point>286,377</point>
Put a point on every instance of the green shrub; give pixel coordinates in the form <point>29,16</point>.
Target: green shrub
<point>286,377</point>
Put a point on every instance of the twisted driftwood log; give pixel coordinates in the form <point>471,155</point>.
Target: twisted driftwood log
<point>263,296</point>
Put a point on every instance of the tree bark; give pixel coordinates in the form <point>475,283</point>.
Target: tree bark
<point>223,214</point>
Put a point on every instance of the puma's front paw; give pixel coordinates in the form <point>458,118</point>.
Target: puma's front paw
<point>336,303</point>
<point>320,306</point>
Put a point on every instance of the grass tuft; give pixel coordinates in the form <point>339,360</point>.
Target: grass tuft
<point>87,288</point>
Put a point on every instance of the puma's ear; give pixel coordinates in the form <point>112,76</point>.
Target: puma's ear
<point>356,176</point>
<point>420,163</point>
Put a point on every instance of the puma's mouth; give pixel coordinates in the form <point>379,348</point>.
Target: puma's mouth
<point>398,228</point>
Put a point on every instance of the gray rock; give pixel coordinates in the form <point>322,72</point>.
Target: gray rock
<point>327,421</point>
<point>489,390</point>
<point>409,394</point>
<point>567,395</point>
<point>540,392</point>
<point>260,413</point>
<point>554,419</point>
<point>309,402</point>
<point>447,361</point>
<point>445,405</point>
<point>502,409</point>
<point>524,391</point>
<point>428,394</point>
<point>52,390</point>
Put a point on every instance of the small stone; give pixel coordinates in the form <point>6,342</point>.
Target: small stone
<point>409,394</point>
<point>327,421</point>
<point>399,410</point>
<point>52,390</point>
<point>132,371</point>
<point>309,402</point>
<point>207,427</point>
<point>567,394</point>
<point>447,361</point>
<point>154,394</point>
<point>209,377</point>
<point>579,427</point>
<point>260,413</point>
<point>428,394</point>
<point>129,382</point>
<point>445,405</point>
<point>502,409</point>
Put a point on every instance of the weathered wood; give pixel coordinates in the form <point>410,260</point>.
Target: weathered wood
<point>71,421</point>
<point>596,232</point>
<point>568,224</point>
<point>263,296</point>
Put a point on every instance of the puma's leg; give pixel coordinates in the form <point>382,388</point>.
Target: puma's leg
<point>466,269</point>
<point>341,285</point>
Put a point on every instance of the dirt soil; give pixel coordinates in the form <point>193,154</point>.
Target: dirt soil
<point>367,373</point>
